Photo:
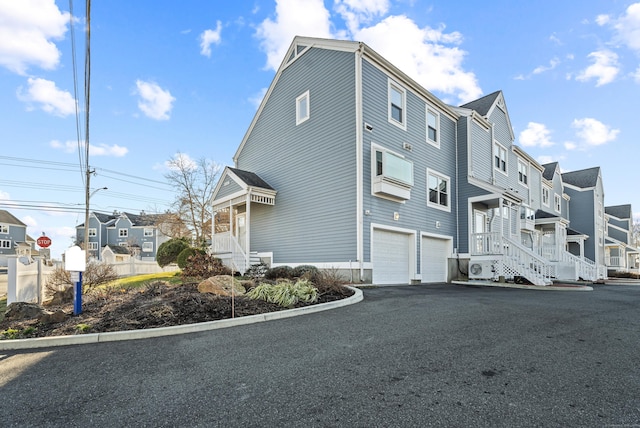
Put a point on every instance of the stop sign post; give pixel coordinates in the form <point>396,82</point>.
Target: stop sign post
<point>44,241</point>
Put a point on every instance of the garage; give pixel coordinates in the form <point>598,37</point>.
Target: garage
<point>391,257</point>
<point>434,263</point>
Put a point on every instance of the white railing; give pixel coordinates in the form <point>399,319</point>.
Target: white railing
<point>585,268</point>
<point>522,261</point>
<point>225,243</point>
<point>614,261</point>
<point>486,243</point>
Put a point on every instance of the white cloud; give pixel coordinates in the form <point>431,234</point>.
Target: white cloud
<point>536,135</point>
<point>29,221</point>
<point>636,75</point>
<point>27,28</point>
<point>4,195</point>
<point>542,68</point>
<point>48,97</point>
<point>293,17</point>
<point>570,145</point>
<point>209,37</point>
<point>183,160</point>
<point>604,69</point>
<point>424,54</point>
<point>603,19</point>
<point>627,27</point>
<point>155,102</point>
<point>544,159</point>
<point>94,149</point>
<point>592,132</point>
<point>257,98</point>
<point>358,12</point>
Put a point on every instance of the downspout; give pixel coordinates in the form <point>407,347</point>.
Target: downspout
<point>457,195</point>
<point>359,162</point>
<point>247,230</point>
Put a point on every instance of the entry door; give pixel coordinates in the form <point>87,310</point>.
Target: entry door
<point>481,242</point>
<point>241,230</point>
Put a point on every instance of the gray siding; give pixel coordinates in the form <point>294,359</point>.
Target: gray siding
<point>229,187</point>
<point>617,234</point>
<point>16,234</point>
<point>481,157</point>
<point>415,215</point>
<point>312,165</point>
<point>583,219</point>
<point>535,188</point>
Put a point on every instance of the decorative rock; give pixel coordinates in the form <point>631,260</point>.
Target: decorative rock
<point>221,286</point>
<point>53,317</point>
<point>23,311</point>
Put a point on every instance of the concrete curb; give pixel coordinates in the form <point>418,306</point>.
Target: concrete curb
<point>524,286</point>
<point>45,342</point>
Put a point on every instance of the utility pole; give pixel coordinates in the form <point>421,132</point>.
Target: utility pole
<point>87,92</point>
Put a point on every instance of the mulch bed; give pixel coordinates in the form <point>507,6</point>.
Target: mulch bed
<point>157,305</point>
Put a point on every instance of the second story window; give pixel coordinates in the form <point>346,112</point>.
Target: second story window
<point>93,232</point>
<point>148,231</point>
<point>392,174</point>
<point>438,190</point>
<point>4,228</point>
<point>499,158</point>
<point>557,203</point>
<point>123,233</point>
<point>397,105</point>
<point>302,108</point>
<point>523,171</point>
<point>545,196</point>
<point>433,127</point>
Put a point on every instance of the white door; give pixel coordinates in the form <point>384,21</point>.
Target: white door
<point>391,257</point>
<point>434,263</point>
<point>241,230</point>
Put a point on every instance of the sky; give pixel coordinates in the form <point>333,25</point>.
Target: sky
<point>185,79</point>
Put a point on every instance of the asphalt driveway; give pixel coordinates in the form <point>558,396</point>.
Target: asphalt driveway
<point>429,355</point>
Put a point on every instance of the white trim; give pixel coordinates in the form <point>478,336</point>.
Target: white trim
<point>8,242</point>
<point>526,174</point>
<point>147,243</point>
<point>506,158</point>
<point>443,177</point>
<point>359,163</point>
<point>391,84</point>
<point>436,236</point>
<point>413,267</point>
<point>350,265</point>
<point>548,189</point>
<point>557,200</point>
<point>428,109</point>
<point>95,232</point>
<point>126,234</point>
<point>305,98</point>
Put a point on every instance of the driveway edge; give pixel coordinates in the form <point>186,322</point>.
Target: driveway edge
<point>45,342</point>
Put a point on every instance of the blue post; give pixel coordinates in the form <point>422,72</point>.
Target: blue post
<point>77,296</point>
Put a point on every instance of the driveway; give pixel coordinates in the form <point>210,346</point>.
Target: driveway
<point>429,355</point>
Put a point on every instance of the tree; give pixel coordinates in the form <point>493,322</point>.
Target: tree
<point>635,233</point>
<point>168,251</point>
<point>194,182</point>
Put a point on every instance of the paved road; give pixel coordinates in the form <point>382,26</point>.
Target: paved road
<point>442,355</point>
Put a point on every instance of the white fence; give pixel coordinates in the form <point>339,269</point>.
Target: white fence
<point>140,267</point>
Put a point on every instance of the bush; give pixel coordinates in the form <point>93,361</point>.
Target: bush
<point>279,272</point>
<point>181,260</point>
<point>96,273</point>
<point>257,272</point>
<point>168,251</point>
<point>285,293</point>
<point>330,281</point>
<point>307,271</point>
<point>202,266</point>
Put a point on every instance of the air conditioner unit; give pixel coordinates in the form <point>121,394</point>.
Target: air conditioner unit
<point>481,269</point>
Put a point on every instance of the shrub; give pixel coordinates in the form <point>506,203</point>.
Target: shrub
<point>202,266</point>
<point>168,251</point>
<point>307,271</point>
<point>329,281</point>
<point>279,272</point>
<point>181,260</point>
<point>257,271</point>
<point>95,274</point>
<point>285,293</point>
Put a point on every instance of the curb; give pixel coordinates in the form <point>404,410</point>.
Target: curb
<point>113,336</point>
<point>524,286</point>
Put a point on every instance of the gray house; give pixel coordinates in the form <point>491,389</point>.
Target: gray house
<point>620,252</point>
<point>13,237</point>
<point>138,233</point>
<point>350,164</point>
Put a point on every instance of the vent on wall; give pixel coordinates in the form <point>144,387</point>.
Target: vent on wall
<point>407,146</point>
<point>368,127</point>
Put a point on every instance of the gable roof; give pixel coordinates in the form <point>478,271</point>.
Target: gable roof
<point>620,211</point>
<point>483,105</point>
<point>251,179</point>
<point>7,217</point>
<point>141,219</point>
<point>549,170</point>
<point>583,178</point>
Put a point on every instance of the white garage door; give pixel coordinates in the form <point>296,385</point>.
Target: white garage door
<point>433,265</point>
<point>390,257</point>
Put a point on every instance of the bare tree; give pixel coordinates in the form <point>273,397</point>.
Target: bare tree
<point>170,224</point>
<point>635,233</point>
<point>194,182</point>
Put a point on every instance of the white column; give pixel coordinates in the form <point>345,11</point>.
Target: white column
<point>247,226</point>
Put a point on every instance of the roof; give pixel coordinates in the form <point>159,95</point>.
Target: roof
<point>574,232</point>
<point>620,211</point>
<point>7,217</point>
<point>484,104</point>
<point>549,170</point>
<point>583,178</point>
<point>251,179</point>
<point>117,249</point>
<point>141,219</point>
<point>545,214</point>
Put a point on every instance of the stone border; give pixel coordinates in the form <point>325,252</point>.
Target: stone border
<point>45,342</point>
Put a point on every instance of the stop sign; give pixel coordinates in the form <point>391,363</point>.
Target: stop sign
<point>44,241</point>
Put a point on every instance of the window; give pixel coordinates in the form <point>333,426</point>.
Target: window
<point>123,233</point>
<point>4,228</point>
<point>5,243</point>
<point>123,244</point>
<point>302,108</point>
<point>556,200</point>
<point>147,247</point>
<point>392,174</point>
<point>438,188</point>
<point>93,231</point>
<point>148,231</point>
<point>397,105</point>
<point>545,196</point>
<point>523,171</point>
<point>93,246</point>
<point>433,127</point>
<point>500,157</point>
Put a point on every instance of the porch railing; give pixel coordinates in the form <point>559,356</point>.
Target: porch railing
<point>486,243</point>
<point>586,269</point>
<point>522,261</point>
<point>227,246</point>
<point>614,261</point>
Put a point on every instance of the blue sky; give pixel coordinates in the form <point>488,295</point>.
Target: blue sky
<point>186,77</point>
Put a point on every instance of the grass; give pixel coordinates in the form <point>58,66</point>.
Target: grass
<point>140,280</point>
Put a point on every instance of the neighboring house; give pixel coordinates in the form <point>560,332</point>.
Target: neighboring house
<point>139,234</point>
<point>350,164</point>
<point>620,254</point>
<point>13,237</point>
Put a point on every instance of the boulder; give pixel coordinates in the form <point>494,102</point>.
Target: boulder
<point>23,311</point>
<point>61,297</point>
<point>221,286</point>
<point>53,317</point>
